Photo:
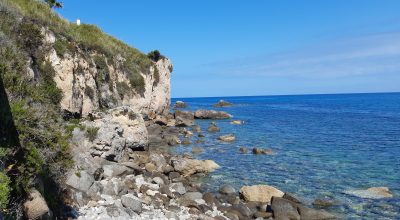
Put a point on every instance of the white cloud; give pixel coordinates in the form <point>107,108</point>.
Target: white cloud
<point>357,56</point>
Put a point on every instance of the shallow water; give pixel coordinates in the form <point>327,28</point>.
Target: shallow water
<point>324,145</point>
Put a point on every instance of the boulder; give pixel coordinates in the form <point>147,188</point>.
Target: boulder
<point>313,214</point>
<point>222,103</point>
<point>262,151</point>
<point>227,190</point>
<point>184,118</point>
<point>371,193</point>
<point>150,167</point>
<point>35,206</point>
<point>193,196</point>
<point>132,202</point>
<point>180,104</point>
<point>259,193</point>
<point>177,187</point>
<point>227,138</point>
<point>213,128</point>
<point>286,209</point>
<point>211,114</point>
<point>189,167</point>
<point>113,170</point>
<point>80,180</point>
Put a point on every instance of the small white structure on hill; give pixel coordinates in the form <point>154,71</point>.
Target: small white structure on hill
<point>78,22</point>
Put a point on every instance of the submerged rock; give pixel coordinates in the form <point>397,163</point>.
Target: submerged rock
<point>213,128</point>
<point>211,114</point>
<point>371,193</point>
<point>243,150</point>
<point>262,151</point>
<point>222,103</point>
<point>259,193</point>
<point>227,138</point>
<point>237,122</point>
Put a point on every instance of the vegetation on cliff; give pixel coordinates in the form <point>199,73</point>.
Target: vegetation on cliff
<point>34,138</point>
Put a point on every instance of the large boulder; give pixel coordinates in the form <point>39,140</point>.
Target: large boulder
<point>35,206</point>
<point>260,193</point>
<point>120,132</point>
<point>371,193</point>
<point>184,118</point>
<point>211,114</point>
<point>286,209</point>
<point>80,180</point>
<point>189,167</point>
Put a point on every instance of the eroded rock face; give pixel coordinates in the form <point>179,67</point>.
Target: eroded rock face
<point>260,193</point>
<point>188,167</point>
<point>120,131</point>
<point>35,206</point>
<point>77,75</point>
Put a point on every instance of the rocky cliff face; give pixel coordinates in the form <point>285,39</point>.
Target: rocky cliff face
<point>92,81</point>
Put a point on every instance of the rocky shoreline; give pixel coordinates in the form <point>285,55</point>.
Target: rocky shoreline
<point>123,173</point>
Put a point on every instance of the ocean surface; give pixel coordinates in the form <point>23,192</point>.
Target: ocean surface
<point>324,146</point>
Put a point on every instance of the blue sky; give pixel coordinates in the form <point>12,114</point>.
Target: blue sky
<point>260,47</point>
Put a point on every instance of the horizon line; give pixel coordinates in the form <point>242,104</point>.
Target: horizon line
<point>304,94</point>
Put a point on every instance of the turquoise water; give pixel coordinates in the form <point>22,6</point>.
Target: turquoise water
<point>324,145</point>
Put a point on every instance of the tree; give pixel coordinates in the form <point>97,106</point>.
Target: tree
<point>54,3</point>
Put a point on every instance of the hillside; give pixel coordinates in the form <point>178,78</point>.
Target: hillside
<point>53,73</point>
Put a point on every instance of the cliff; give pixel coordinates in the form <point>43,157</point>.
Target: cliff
<point>53,75</point>
<point>91,81</point>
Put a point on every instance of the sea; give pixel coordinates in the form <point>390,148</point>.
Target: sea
<point>325,147</point>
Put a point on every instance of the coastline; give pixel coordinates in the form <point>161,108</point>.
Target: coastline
<point>152,183</point>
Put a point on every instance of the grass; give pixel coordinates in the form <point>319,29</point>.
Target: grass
<point>88,36</point>
<point>91,133</point>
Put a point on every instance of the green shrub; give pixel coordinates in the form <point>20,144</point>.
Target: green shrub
<point>137,82</point>
<point>103,74</point>
<point>49,90</point>
<point>91,133</point>
<point>123,89</point>
<point>5,190</point>
<point>62,47</point>
<point>155,55</point>
<point>29,36</point>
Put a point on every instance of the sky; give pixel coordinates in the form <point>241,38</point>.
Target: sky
<point>260,47</point>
